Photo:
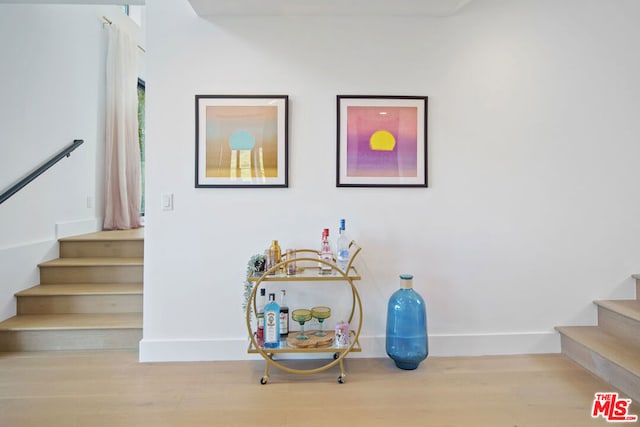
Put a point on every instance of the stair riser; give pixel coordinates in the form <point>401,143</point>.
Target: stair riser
<point>91,249</point>
<point>91,274</point>
<point>613,374</point>
<point>80,304</point>
<point>621,326</point>
<point>85,339</point>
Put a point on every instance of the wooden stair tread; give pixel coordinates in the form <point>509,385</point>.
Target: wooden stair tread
<point>621,352</point>
<point>82,289</point>
<point>111,235</point>
<point>41,322</point>
<point>92,262</point>
<point>627,308</point>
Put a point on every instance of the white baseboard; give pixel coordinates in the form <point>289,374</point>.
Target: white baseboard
<point>439,346</point>
<point>194,350</point>
<point>75,228</point>
<point>494,344</point>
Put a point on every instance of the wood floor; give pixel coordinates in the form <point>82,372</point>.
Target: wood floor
<point>110,388</point>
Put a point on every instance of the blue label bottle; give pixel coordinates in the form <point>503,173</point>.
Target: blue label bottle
<point>407,341</point>
<point>272,323</point>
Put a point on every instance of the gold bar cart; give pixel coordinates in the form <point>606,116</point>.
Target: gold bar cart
<point>308,273</point>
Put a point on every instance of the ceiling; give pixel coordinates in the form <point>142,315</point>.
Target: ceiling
<point>116,2</point>
<point>209,8</point>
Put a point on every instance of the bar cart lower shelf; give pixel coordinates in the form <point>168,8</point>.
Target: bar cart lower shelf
<point>339,354</point>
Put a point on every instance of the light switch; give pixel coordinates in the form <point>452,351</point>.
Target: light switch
<point>167,201</point>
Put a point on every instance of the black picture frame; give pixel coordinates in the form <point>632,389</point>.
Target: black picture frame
<point>242,141</point>
<point>382,141</point>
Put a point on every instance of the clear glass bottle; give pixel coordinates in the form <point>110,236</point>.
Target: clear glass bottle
<point>260,303</point>
<point>284,314</point>
<point>342,248</point>
<point>272,323</point>
<point>325,253</point>
<point>290,268</point>
<point>269,259</point>
<point>406,341</point>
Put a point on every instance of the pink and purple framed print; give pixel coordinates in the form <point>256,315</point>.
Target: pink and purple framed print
<point>241,141</point>
<point>382,141</point>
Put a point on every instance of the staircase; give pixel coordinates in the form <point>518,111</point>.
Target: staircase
<point>610,350</point>
<point>89,298</point>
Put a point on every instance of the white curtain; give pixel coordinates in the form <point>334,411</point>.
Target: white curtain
<point>123,186</point>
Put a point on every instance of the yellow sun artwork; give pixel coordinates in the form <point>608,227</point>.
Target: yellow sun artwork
<point>382,140</point>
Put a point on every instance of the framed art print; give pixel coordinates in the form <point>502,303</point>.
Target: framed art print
<point>382,141</point>
<point>241,141</point>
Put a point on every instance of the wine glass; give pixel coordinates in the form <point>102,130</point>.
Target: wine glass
<point>321,313</point>
<point>301,315</point>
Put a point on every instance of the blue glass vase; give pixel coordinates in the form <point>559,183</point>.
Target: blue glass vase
<point>407,342</point>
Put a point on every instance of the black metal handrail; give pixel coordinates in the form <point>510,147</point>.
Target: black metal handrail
<point>40,170</point>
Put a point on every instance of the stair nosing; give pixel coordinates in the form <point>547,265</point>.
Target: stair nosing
<point>94,240</point>
<point>106,236</point>
<point>619,307</point>
<point>606,353</point>
<point>93,325</point>
<point>93,262</point>
<point>76,289</point>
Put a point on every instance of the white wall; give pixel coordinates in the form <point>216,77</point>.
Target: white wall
<point>51,92</point>
<point>532,207</point>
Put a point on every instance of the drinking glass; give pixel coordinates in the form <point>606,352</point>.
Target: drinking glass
<point>321,312</point>
<point>301,315</point>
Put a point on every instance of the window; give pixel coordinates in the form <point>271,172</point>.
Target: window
<point>135,12</point>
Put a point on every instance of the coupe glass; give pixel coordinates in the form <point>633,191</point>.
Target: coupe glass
<point>301,315</point>
<point>321,313</point>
